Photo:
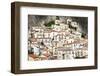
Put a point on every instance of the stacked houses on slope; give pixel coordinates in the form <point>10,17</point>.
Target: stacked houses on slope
<point>61,41</point>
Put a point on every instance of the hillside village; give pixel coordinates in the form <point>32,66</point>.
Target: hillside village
<point>57,40</point>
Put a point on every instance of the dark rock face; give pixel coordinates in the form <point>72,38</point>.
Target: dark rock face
<point>39,20</point>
